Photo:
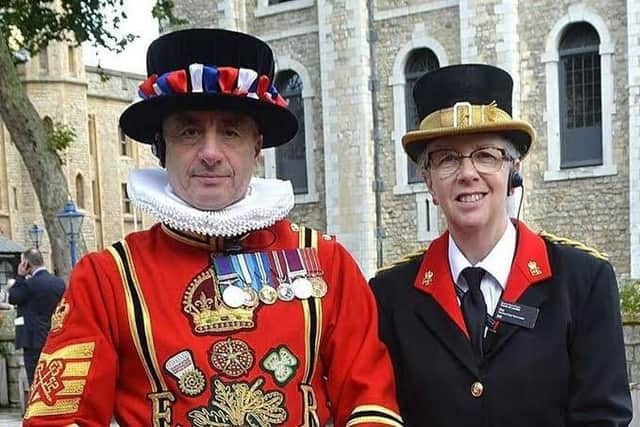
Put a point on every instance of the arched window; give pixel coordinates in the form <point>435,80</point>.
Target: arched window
<point>48,124</point>
<point>419,62</point>
<point>291,160</point>
<point>580,97</point>
<point>80,191</point>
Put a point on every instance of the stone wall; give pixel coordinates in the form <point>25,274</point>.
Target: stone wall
<point>592,210</point>
<point>631,329</point>
<point>69,97</point>
<point>327,38</point>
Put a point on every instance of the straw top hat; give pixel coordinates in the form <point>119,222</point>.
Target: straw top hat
<point>209,69</point>
<point>465,99</point>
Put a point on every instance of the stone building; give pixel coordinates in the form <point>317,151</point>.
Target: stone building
<point>96,164</point>
<point>348,66</point>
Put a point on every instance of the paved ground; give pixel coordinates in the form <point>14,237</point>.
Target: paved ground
<point>10,418</point>
<point>13,418</point>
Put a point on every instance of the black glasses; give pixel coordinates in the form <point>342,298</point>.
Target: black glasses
<point>446,162</point>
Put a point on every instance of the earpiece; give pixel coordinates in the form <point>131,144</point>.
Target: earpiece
<point>515,180</point>
<point>158,148</point>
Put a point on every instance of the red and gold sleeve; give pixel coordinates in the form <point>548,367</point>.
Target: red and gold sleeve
<point>360,377</point>
<point>75,377</point>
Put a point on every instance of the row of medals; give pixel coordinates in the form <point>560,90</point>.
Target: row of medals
<point>302,287</point>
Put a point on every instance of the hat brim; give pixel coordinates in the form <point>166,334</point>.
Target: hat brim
<point>520,133</point>
<point>142,120</point>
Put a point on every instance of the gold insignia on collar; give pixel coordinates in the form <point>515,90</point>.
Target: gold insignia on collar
<point>534,270</point>
<point>428,278</point>
<point>59,314</point>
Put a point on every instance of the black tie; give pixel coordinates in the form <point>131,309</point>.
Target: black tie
<point>474,308</point>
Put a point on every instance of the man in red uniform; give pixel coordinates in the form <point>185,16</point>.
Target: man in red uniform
<point>225,313</point>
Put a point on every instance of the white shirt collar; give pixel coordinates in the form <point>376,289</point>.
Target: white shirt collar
<point>38,270</point>
<point>266,201</point>
<point>494,263</point>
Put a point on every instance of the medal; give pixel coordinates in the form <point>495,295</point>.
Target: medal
<point>318,285</point>
<point>267,293</point>
<point>302,288</point>
<point>285,291</point>
<point>239,261</point>
<point>297,274</point>
<point>232,295</point>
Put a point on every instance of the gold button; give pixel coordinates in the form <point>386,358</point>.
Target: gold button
<point>476,389</point>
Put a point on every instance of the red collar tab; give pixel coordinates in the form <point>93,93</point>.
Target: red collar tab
<point>530,266</point>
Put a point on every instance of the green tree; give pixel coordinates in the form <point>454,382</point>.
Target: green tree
<point>26,27</point>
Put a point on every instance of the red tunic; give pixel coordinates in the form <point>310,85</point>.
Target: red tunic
<point>142,335</point>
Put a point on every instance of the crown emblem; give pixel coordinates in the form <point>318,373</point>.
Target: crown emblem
<point>59,314</point>
<point>208,314</point>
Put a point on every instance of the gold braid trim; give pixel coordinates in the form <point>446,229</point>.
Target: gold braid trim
<point>406,258</point>
<point>574,243</point>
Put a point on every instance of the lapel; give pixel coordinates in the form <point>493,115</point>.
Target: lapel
<point>439,309</point>
<point>530,267</point>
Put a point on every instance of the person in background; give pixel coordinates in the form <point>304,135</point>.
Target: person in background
<point>495,325</point>
<point>36,293</point>
<point>225,313</point>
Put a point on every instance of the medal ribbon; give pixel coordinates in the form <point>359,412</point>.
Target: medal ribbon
<point>239,266</point>
<point>280,265</point>
<point>307,261</point>
<point>262,264</point>
<point>249,262</point>
<point>294,264</point>
<point>225,271</point>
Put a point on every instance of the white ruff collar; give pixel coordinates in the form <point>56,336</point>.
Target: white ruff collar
<point>266,201</point>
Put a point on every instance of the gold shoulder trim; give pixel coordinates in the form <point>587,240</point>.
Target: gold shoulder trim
<point>574,243</point>
<point>406,258</point>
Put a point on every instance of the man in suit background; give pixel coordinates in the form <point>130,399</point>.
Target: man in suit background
<point>495,325</point>
<point>36,293</point>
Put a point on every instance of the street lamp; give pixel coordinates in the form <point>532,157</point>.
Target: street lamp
<point>71,222</point>
<point>35,234</point>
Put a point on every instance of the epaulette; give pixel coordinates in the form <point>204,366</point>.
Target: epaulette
<point>405,258</point>
<point>574,243</point>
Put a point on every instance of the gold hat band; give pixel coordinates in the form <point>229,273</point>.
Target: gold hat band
<point>465,115</point>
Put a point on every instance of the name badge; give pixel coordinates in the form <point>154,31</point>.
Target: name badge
<point>19,321</point>
<point>517,314</point>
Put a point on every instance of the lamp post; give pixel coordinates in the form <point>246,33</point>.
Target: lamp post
<point>35,234</point>
<point>71,222</point>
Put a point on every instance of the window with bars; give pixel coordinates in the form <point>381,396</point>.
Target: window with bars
<point>291,158</point>
<point>43,61</point>
<point>580,97</point>
<point>126,147</point>
<point>419,62</point>
<point>95,193</point>
<point>91,123</point>
<point>126,202</point>
<point>80,191</point>
<point>7,271</point>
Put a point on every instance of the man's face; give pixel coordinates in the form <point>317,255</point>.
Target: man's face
<point>210,156</point>
<point>472,201</point>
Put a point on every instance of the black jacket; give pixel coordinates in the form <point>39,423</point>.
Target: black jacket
<point>568,370</point>
<point>36,299</point>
